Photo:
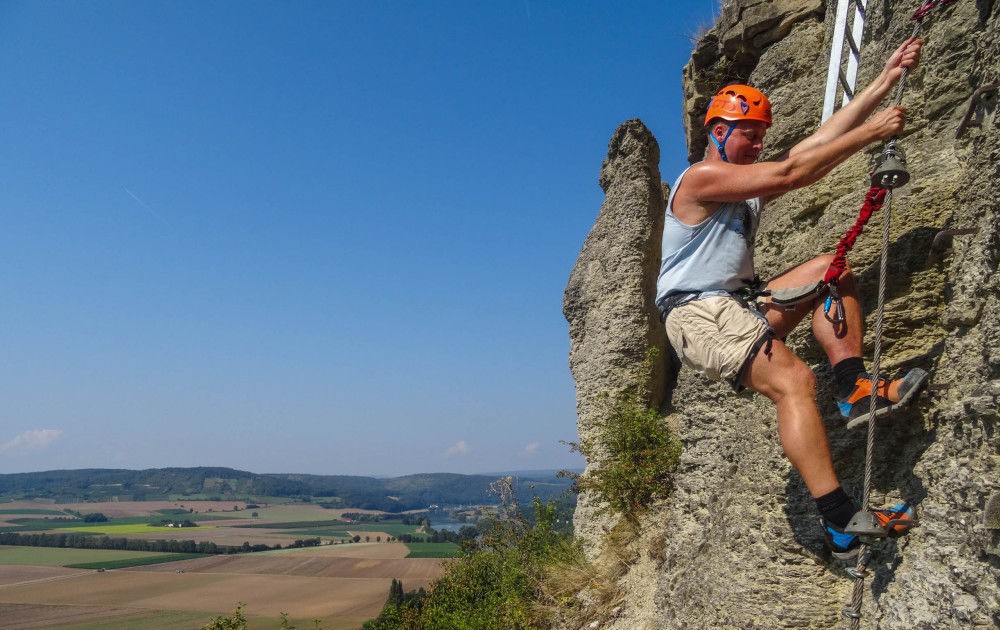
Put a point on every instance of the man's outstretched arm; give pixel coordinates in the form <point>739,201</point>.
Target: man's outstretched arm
<point>709,183</point>
<point>864,103</point>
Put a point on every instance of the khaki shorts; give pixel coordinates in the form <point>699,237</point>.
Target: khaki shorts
<point>715,335</point>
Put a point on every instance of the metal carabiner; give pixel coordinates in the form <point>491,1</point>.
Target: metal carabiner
<point>831,299</point>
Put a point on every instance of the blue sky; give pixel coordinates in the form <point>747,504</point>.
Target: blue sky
<point>318,237</point>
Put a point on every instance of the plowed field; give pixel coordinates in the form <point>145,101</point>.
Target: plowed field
<point>343,585</point>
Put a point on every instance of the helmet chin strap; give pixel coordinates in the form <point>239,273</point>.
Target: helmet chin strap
<point>721,145</point>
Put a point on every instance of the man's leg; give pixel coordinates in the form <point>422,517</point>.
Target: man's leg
<point>791,385</point>
<point>839,341</point>
<point>842,342</point>
<point>806,436</point>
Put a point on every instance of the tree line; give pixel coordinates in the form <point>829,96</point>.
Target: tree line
<point>399,494</point>
<point>84,541</point>
<point>467,532</point>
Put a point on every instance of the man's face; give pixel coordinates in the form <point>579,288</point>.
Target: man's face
<point>746,142</point>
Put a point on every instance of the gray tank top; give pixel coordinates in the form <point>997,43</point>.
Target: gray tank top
<point>711,258</point>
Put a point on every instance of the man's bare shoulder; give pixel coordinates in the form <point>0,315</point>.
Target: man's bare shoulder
<point>687,206</point>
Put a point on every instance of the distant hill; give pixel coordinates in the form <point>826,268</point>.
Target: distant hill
<point>393,494</point>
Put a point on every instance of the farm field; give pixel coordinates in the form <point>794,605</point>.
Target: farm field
<point>57,557</point>
<point>341,584</point>
<point>344,585</point>
<point>115,509</point>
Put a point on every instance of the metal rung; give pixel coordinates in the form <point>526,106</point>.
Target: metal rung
<point>848,88</point>
<point>864,525</point>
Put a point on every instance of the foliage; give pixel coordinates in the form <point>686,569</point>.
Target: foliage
<point>633,454</point>
<point>87,541</point>
<point>236,620</point>
<point>83,558</point>
<point>95,517</point>
<point>498,581</point>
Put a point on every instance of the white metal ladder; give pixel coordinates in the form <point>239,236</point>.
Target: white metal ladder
<point>848,12</point>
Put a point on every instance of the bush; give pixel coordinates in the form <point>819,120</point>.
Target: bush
<point>633,453</point>
<point>499,581</point>
<point>234,621</point>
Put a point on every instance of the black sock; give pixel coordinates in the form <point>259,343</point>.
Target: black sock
<point>836,507</point>
<point>846,373</point>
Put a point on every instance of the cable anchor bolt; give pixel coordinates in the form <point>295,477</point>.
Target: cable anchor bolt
<point>850,613</point>
<point>857,574</point>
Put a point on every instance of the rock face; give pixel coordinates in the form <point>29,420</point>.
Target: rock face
<point>738,545</point>
<point>612,320</point>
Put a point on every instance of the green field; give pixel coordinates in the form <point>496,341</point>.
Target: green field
<point>294,524</point>
<point>314,533</point>
<point>136,562</point>
<point>35,511</point>
<point>82,527</point>
<point>59,557</point>
<point>137,528</point>
<point>432,550</point>
<point>393,528</point>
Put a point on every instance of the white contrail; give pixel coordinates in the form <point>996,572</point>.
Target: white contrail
<point>143,204</point>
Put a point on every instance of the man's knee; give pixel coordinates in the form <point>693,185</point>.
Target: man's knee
<point>796,380</point>
<point>779,374</point>
<point>823,263</point>
<point>820,264</point>
<point>823,260</point>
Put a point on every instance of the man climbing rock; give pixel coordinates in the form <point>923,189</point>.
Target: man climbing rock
<point>724,323</point>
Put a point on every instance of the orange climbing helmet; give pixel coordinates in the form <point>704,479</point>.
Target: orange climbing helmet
<point>739,102</point>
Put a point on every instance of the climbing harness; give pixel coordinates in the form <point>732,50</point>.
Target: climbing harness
<point>890,172</point>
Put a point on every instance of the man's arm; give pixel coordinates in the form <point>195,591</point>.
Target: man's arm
<point>864,103</point>
<point>708,184</point>
<point>711,183</point>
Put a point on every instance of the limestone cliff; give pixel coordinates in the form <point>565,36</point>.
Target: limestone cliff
<point>737,545</point>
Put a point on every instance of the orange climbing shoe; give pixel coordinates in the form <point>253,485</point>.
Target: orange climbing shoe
<point>897,519</point>
<point>890,395</point>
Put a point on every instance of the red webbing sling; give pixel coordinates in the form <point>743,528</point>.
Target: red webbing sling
<point>873,202</point>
